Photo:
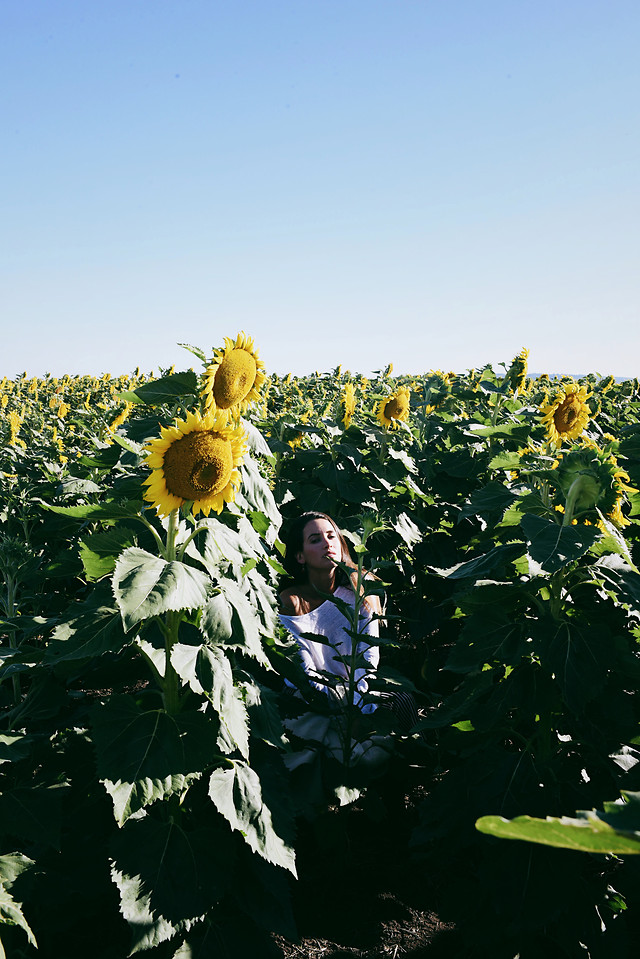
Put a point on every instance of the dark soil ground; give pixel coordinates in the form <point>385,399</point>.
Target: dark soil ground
<point>360,894</point>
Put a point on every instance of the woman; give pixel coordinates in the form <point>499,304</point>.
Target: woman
<point>314,546</point>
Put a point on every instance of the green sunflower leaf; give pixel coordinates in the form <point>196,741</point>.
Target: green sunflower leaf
<point>181,873</point>
<point>589,834</point>
<point>145,585</point>
<point>100,551</point>
<point>208,671</point>
<point>11,866</point>
<point>167,389</point>
<point>146,756</point>
<point>99,511</point>
<point>554,546</point>
<point>34,813</point>
<point>483,566</point>
<point>237,794</point>
<point>93,628</point>
<point>579,655</point>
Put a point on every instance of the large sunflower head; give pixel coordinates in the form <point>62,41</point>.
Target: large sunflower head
<point>566,414</point>
<point>390,411</point>
<point>348,405</point>
<point>233,379</point>
<point>195,461</point>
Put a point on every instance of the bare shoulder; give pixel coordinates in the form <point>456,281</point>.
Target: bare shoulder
<point>298,600</point>
<point>290,602</point>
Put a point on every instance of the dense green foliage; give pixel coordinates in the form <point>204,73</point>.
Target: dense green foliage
<point>149,771</point>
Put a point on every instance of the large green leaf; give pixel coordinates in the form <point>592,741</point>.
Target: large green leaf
<point>617,573</point>
<point>579,655</point>
<point>216,621</point>
<point>407,529</point>
<point>208,671</point>
<point>486,565</point>
<point>614,831</point>
<point>168,389</point>
<point>146,756</point>
<point>236,793</point>
<point>176,872</point>
<point>217,547</point>
<point>99,511</point>
<point>505,461</point>
<point>11,866</point>
<point>516,431</point>
<point>247,628</point>
<point>94,628</point>
<point>15,746</point>
<point>490,636</point>
<point>33,813</point>
<point>145,585</point>
<point>99,551</point>
<point>554,546</point>
<point>490,501</point>
<point>257,492</point>
<point>148,930</point>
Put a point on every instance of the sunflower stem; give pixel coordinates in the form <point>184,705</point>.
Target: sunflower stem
<point>191,536</point>
<point>12,586</point>
<point>496,409</point>
<point>159,542</point>
<point>171,683</point>
<point>171,690</point>
<point>570,501</point>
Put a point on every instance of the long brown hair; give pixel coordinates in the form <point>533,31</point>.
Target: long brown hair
<point>294,542</point>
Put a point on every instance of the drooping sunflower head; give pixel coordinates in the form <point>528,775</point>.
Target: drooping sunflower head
<point>233,379</point>
<point>606,383</point>
<point>517,372</point>
<point>566,414</point>
<point>590,477</point>
<point>390,411</point>
<point>348,405</point>
<point>195,461</point>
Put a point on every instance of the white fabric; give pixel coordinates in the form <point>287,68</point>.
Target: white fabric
<point>329,621</point>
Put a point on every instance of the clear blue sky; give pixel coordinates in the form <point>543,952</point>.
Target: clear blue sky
<point>435,183</point>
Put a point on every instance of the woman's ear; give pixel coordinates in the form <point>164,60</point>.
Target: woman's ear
<point>300,558</point>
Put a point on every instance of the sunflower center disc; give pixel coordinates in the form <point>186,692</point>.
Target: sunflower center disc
<point>566,414</point>
<point>200,464</point>
<point>234,378</point>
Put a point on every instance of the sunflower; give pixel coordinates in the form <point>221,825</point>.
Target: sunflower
<point>605,384</point>
<point>348,405</point>
<point>590,477</point>
<point>390,411</point>
<point>234,377</point>
<point>566,414</point>
<point>195,460</point>
<point>517,372</point>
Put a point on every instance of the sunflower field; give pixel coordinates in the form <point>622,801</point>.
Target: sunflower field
<point>156,795</point>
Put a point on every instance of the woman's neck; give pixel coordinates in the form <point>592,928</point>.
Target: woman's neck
<point>322,581</point>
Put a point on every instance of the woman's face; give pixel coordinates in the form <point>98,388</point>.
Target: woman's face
<point>321,546</point>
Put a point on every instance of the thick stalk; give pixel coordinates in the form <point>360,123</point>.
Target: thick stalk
<point>570,501</point>
<point>351,688</point>
<point>171,684</point>
<point>497,408</point>
<point>12,587</point>
<point>556,581</point>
